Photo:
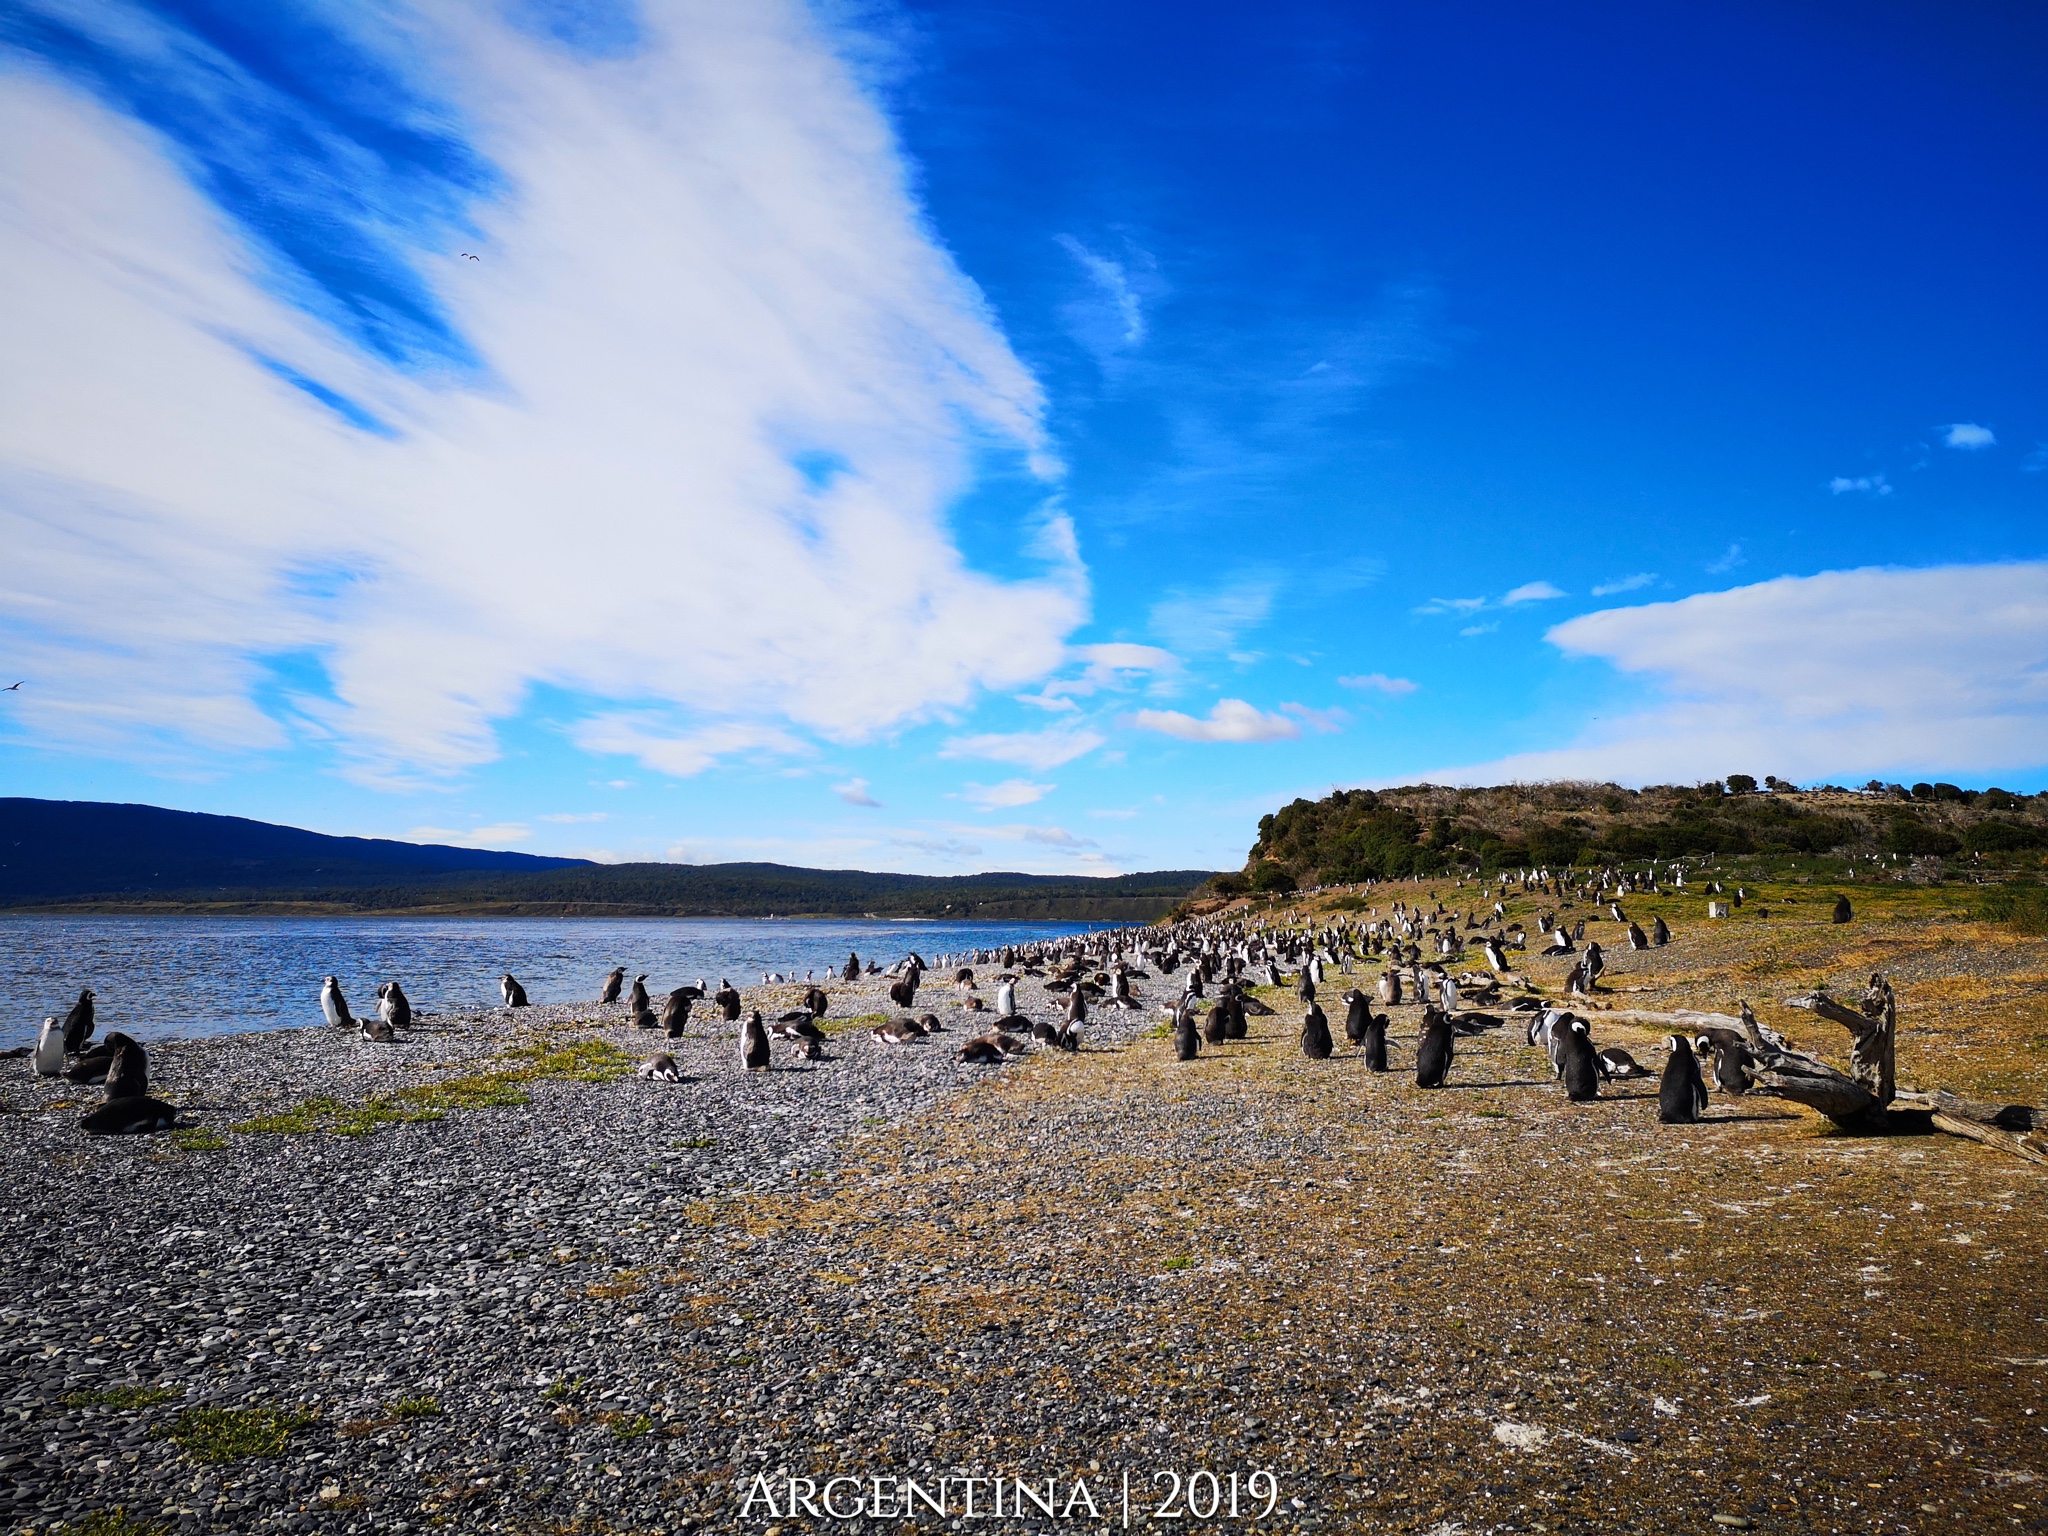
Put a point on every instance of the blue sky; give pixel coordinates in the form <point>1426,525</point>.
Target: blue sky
<point>950,437</point>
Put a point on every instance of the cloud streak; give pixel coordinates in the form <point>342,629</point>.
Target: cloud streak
<point>702,271</point>
<point>1230,720</point>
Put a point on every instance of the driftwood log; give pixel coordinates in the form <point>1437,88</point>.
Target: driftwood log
<point>1858,1098</point>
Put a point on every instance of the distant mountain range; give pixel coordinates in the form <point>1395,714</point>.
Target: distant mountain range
<point>84,855</point>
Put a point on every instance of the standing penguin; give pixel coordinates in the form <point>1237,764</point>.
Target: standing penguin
<point>1682,1093</point>
<point>675,1012</point>
<point>754,1042</point>
<point>1357,1016</point>
<point>1187,1044</point>
<point>1433,1055</point>
<point>515,994</point>
<point>1390,988</point>
<point>1594,963</point>
<point>50,1048</point>
<point>78,1023</point>
<point>1637,939</point>
<point>393,1006</point>
<point>1581,1063</point>
<point>128,1076</point>
<point>637,999</point>
<point>1215,1028</point>
<point>1375,1042</point>
<point>1238,1026</point>
<point>1315,1034</point>
<point>1077,1008</point>
<point>851,970</point>
<point>613,983</point>
<point>1305,988</point>
<point>817,1002</point>
<point>333,1004</point>
<point>1660,932</point>
<point>1730,1062</point>
<point>728,999</point>
<point>1006,1000</point>
<point>1844,913</point>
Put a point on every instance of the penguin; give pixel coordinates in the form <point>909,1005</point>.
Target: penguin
<point>899,1032</point>
<point>1077,1008</point>
<point>78,1023</point>
<point>1595,963</point>
<point>851,970</point>
<point>1216,1027</point>
<point>1618,1063</point>
<point>1187,1042</point>
<point>92,1066</point>
<point>333,1004</point>
<point>613,982</point>
<point>1357,1016</point>
<point>1496,957</point>
<point>929,1023</point>
<point>675,1012</point>
<point>753,1043</point>
<point>806,1049</point>
<point>50,1048</point>
<point>1375,1043</point>
<point>903,990</point>
<point>129,1117</point>
<point>646,1018</point>
<point>1390,988</point>
<point>637,999</point>
<point>1637,939</point>
<point>515,994</point>
<point>1660,932</point>
<point>817,1002</point>
<point>1305,988</point>
<point>660,1069</point>
<point>393,1006</point>
<point>799,1025</point>
<point>1579,931</point>
<point>983,1050</point>
<point>378,1030</point>
<point>728,1000</point>
<point>1844,913</point>
<point>1315,1034</point>
<point>1581,1066</point>
<point>1006,1000</point>
<point>1434,1055</point>
<point>1730,1064</point>
<point>128,1074</point>
<point>1682,1093</point>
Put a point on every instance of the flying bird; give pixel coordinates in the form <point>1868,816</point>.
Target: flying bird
<point>12,688</point>
<point>467,257</point>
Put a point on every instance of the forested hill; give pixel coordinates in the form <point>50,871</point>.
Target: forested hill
<point>1422,829</point>
<point>61,854</point>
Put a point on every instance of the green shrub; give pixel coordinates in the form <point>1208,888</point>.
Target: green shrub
<point>2024,906</point>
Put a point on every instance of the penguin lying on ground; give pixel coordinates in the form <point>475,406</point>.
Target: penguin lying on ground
<point>1620,1064</point>
<point>379,1031</point>
<point>660,1069</point>
<point>92,1066</point>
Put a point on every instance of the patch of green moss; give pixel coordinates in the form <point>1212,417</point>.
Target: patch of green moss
<point>114,1522</point>
<point>628,1426</point>
<point>200,1139</point>
<point>235,1434</point>
<point>416,1408</point>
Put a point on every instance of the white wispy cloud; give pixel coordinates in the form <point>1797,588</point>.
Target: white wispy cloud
<point>1324,722</point>
<point>855,792</point>
<point>1869,485</point>
<point>473,837</point>
<point>1379,682</point>
<point>683,752</point>
<point>571,818</point>
<point>1967,435</point>
<point>1782,675</point>
<point>1625,584</point>
<point>1531,592</point>
<point>1478,629</point>
<point>705,269</point>
<point>1113,665</point>
<point>1230,720</point>
<point>1003,796</point>
<point>1112,319</point>
<point>1036,750</point>
<point>1453,605</point>
<point>1729,560</point>
<point>1206,623</point>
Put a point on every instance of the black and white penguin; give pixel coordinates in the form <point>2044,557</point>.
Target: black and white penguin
<point>675,1012</point>
<point>1618,1063</point>
<point>660,1069</point>
<point>1496,957</point>
<point>983,1050</point>
<point>1305,987</point>
<point>1844,913</point>
<point>393,1006</point>
<point>728,999</point>
<point>851,970</point>
<point>646,1018</point>
<point>1434,1055</point>
<point>1077,1008</point>
<point>1316,1044</point>
<point>1595,963</point>
<point>816,1001</point>
<point>637,999</point>
<point>129,1117</point>
<point>1637,939</point>
<point>1660,932</point>
<point>515,994</point>
<point>1216,1027</point>
<point>1581,1063</point>
<point>92,1066</point>
<point>1187,1042</point>
<point>50,1048</point>
<point>1006,1000</point>
<point>754,1043</point>
<point>379,1030</point>
<point>1357,1016</point>
<point>1375,1042</point>
<point>614,983</point>
<point>78,1023</point>
<point>899,1032</point>
<point>1390,988</point>
<point>1730,1063</point>
<point>1682,1093</point>
<point>333,1004</point>
<point>128,1074</point>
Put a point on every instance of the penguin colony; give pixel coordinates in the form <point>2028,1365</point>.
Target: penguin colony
<point>1221,960</point>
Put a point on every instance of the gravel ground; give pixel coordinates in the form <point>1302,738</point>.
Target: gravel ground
<point>614,1307</point>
